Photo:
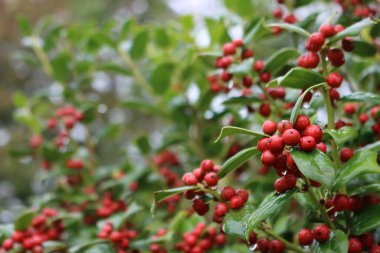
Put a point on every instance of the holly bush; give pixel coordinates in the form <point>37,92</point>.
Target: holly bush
<point>149,141</point>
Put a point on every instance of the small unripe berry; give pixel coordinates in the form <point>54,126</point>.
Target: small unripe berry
<point>321,233</point>
<point>307,143</point>
<point>269,127</point>
<point>291,137</point>
<point>305,237</point>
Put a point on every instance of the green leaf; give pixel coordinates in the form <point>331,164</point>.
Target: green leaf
<point>24,220</point>
<point>297,106</point>
<point>342,135</point>
<point>19,99</point>
<point>279,60</point>
<point>366,220</point>
<point>364,189</point>
<point>292,28</point>
<point>143,144</point>
<point>161,195</point>
<point>142,105</point>
<point>161,77</point>
<point>353,30</point>
<point>139,45</point>
<point>242,7</point>
<point>309,20</point>
<point>162,39</point>
<point>234,221</point>
<point>315,165</point>
<point>373,146</point>
<point>269,207</point>
<point>338,243</point>
<point>242,100</point>
<point>87,245</point>
<point>230,130</point>
<point>113,68</point>
<point>361,96</point>
<point>364,49</point>
<point>242,68</point>
<point>126,28</point>
<point>60,65</point>
<point>25,26</point>
<point>236,161</point>
<point>258,31</point>
<point>363,162</point>
<point>299,78</point>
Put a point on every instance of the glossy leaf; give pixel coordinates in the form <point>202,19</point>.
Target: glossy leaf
<point>242,100</point>
<point>236,161</point>
<point>279,60</point>
<point>315,165</point>
<point>258,31</point>
<point>299,78</point>
<point>269,207</point>
<point>143,144</point>
<point>364,49</point>
<point>353,30</point>
<point>23,221</point>
<point>231,130</point>
<point>161,77</point>
<point>234,221</point>
<point>365,220</point>
<point>364,189</point>
<point>338,243</point>
<point>361,96</point>
<point>242,68</point>
<point>161,195</point>
<point>363,162</point>
<point>139,45</point>
<point>341,135</point>
<point>373,146</point>
<point>308,21</point>
<point>297,106</point>
<point>291,28</point>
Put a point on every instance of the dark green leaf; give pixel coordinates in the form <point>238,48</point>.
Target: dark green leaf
<point>352,30</point>
<point>126,28</point>
<point>60,64</point>
<point>279,60</point>
<point>299,78</point>
<point>236,161</point>
<point>25,26</point>
<point>338,243</point>
<point>297,106</point>
<point>269,207</point>
<point>364,189</point>
<point>234,221</point>
<point>373,146</point>
<point>161,37</point>
<point>139,45</point>
<point>161,195</point>
<point>342,135</point>
<point>242,100</point>
<point>242,7</point>
<point>87,245</point>
<point>315,165</point>
<point>24,220</point>
<point>242,68</point>
<point>142,106</point>
<point>364,49</point>
<point>143,144</point>
<point>361,96</point>
<point>161,76</point>
<point>258,31</point>
<point>230,130</point>
<point>363,162</point>
<point>309,20</point>
<point>366,220</point>
<point>292,28</point>
<point>113,68</point>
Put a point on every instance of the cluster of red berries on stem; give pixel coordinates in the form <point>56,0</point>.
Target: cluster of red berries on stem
<point>265,245</point>
<point>110,206</point>
<point>201,239</point>
<point>44,227</point>
<point>120,238</point>
<point>156,247</point>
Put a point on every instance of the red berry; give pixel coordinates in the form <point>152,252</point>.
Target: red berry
<point>338,28</point>
<point>356,203</point>
<point>200,207</point>
<point>263,245</point>
<point>290,19</point>
<point>341,203</point>
<point>321,233</point>
<point>247,53</point>
<point>314,131</point>
<point>247,81</point>
<point>252,239</point>
<point>7,244</point>
<point>348,44</point>
<point>115,236</point>
<point>307,143</point>
<point>276,246</point>
<point>275,144</point>
<point>265,77</point>
<point>345,154</point>
<point>263,144</point>
<point>284,125</point>
<point>207,165</point>
<point>336,57</point>
<point>315,42</point>
<point>269,127</point>
<point>327,30</point>
<point>221,209</point>
<point>264,110</point>
<point>277,13</point>
<point>291,137</point>
<point>334,80</point>
<point>220,239</point>
<point>363,118</point>
<point>349,108</point>
<point>189,179</point>
<point>199,174</point>
<point>367,240</point>
<point>69,122</point>
<point>280,185</point>
<point>238,42</point>
<point>354,246</point>
<point>309,60</point>
<point>305,237</point>
<point>322,147</point>
<point>302,122</point>
<point>211,179</point>
<point>258,65</point>
<point>334,94</point>
<point>236,202</point>
<point>229,49</point>
<point>227,193</point>
<point>243,194</point>
<point>375,249</point>
<point>225,76</point>
<point>268,158</point>
<point>224,62</point>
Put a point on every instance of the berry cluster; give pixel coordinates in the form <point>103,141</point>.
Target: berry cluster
<point>44,227</point>
<point>120,238</point>
<point>156,247</point>
<point>360,9</point>
<point>265,245</point>
<point>275,151</point>
<point>110,206</point>
<point>320,233</point>
<point>201,240</point>
<point>341,202</point>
